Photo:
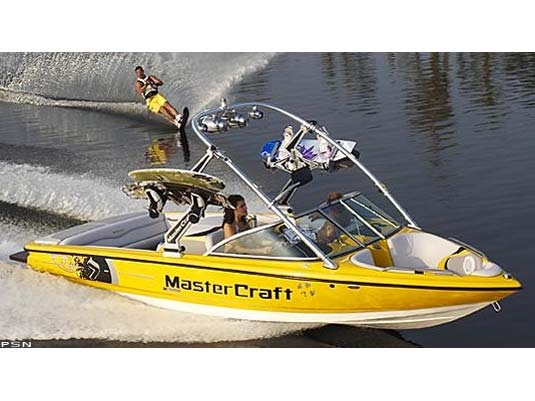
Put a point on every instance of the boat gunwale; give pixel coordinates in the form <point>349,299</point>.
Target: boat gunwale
<point>281,276</point>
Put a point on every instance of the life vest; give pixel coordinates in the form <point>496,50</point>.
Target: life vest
<point>150,90</point>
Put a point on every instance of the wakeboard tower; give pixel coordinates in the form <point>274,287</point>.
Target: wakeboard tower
<point>295,154</point>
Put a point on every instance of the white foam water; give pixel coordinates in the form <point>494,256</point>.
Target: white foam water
<point>37,306</point>
<point>41,306</point>
<point>83,197</point>
<point>13,239</point>
<point>125,108</point>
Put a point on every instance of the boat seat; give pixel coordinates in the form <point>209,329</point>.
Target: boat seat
<point>465,262</point>
<point>419,250</point>
<point>364,258</point>
<point>214,238</point>
<point>135,230</point>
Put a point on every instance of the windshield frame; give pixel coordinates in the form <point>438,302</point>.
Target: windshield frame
<point>318,209</point>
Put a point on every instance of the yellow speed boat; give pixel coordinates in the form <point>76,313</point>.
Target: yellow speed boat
<point>346,262</point>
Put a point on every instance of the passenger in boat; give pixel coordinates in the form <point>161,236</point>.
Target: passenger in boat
<point>147,86</point>
<point>333,196</point>
<point>338,212</point>
<point>328,231</point>
<point>235,221</point>
<point>326,234</point>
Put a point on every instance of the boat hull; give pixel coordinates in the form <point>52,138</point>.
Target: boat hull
<point>395,319</point>
<point>276,291</point>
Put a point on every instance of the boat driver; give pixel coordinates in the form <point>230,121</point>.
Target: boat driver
<point>147,86</point>
<point>236,220</point>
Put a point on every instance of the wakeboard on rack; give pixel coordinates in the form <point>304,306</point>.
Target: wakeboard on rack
<point>160,184</point>
<point>197,190</point>
<point>308,152</point>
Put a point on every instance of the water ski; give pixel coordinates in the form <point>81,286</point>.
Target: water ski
<point>185,117</point>
<point>183,139</point>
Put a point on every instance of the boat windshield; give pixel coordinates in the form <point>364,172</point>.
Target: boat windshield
<point>375,219</point>
<point>340,227</point>
<point>273,242</point>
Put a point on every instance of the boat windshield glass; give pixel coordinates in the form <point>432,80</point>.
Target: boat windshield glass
<point>370,214</point>
<point>282,243</point>
<point>270,242</point>
<point>344,219</point>
<point>334,229</point>
<point>325,232</point>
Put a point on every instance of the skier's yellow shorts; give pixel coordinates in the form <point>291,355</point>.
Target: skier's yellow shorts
<point>154,103</point>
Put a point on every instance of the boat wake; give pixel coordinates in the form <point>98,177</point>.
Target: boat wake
<point>124,108</point>
<point>82,196</point>
<point>14,237</point>
<point>40,306</point>
<point>103,82</point>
